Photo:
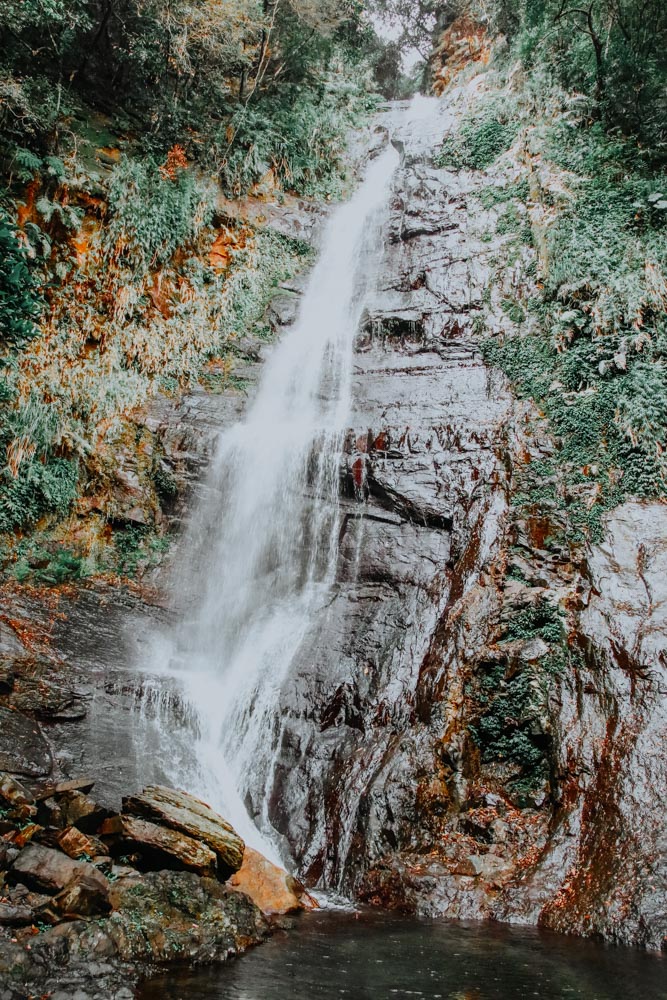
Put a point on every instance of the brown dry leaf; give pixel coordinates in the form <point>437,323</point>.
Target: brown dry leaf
<point>18,451</point>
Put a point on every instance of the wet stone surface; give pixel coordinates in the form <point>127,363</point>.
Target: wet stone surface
<point>431,758</point>
<point>474,723</point>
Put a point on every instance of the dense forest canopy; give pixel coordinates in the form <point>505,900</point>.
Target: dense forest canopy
<point>177,70</point>
<point>183,70</point>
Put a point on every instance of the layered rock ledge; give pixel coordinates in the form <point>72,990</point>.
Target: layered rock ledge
<point>89,901</point>
<point>473,725</point>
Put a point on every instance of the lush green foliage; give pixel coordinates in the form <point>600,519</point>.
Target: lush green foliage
<point>580,287</point>
<point>595,355</point>
<point>252,93</point>
<point>612,52</point>
<point>510,726</point>
<point>153,213</point>
<point>542,619</point>
<point>29,486</point>
<point>301,142</point>
<point>482,137</point>
<point>39,488</point>
<point>256,274</point>
<point>134,546</point>
<point>506,731</point>
<point>63,410</point>
<point>243,85</point>
<point>19,301</point>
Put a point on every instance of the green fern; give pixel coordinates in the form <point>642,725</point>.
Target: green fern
<point>19,302</point>
<point>26,164</point>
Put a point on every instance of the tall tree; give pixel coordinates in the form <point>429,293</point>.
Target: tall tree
<point>413,20</point>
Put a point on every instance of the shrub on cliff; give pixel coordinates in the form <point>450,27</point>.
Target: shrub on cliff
<point>612,52</point>
<point>154,210</point>
<point>591,347</point>
<point>19,302</point>
<point>201,74</point>
<point>483,136</point>
<point>299,140</point>
<point>37,489</point>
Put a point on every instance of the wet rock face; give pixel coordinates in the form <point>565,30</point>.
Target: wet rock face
<point>473,725</point>
<point>23,748</point>
<point>425,485</point>
<point>615,880</point>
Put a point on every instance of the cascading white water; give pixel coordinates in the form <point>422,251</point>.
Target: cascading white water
<point>270,556</point>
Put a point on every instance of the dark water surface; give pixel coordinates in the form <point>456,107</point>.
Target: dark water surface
<point>381,957</point>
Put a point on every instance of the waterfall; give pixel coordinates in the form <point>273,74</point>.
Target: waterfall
<point>266,552</point>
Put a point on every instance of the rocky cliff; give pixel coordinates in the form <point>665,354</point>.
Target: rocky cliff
<point>474,725</point>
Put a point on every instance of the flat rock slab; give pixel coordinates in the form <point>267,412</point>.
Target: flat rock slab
<point>182,812</point>
<point>23,748</point>
<point>46,870</point>
<point>159,847</point>
<point>83,785</point>
<point>15,916</point>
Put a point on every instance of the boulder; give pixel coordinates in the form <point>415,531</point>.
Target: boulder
<point>464,866</point>
<point>271,889</point>
<point>81,811</point>
<point>23,749</point>
<point>74,843</point>
<point>183,812</point>
<point>70,808</point>
<point>45,870</point>
<point>283,309</point>
<point>20,895</point>
<point>488,866</point>
<point>15,916</point>
<point>158,847</point>
<point>86,895</point>
<point>50,814</point>
<point>16,799</point>
<point>83,785</point>
<point>26,834</point>
<point>169,917</point>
